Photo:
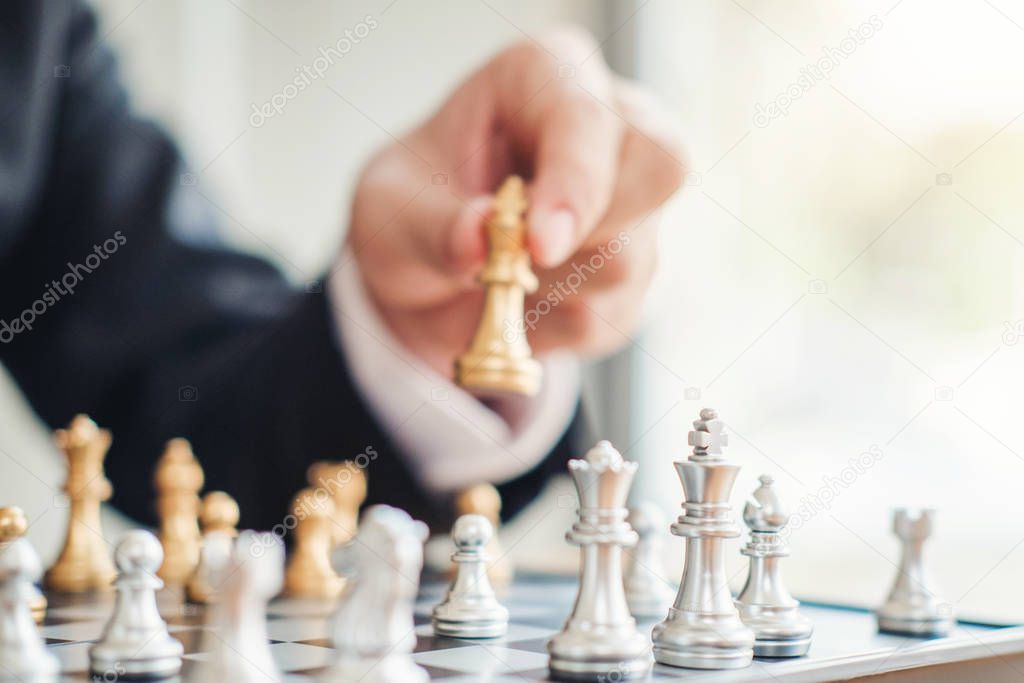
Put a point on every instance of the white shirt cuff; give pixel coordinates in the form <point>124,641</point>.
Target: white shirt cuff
<point>450,438</point>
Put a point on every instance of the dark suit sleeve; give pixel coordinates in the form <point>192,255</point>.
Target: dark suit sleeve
<point>140,318</point>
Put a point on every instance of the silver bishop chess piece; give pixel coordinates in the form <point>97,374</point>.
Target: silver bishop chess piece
<point>470,608</point>
<point>703,629</point>
<point>236,633</point>
<point>600,640</point>
<point>373,630</point>
<point>780,629</point>
<point>912,607</point>
<point>647,592</point>
<point>135,642</point>
<point>23,653</point>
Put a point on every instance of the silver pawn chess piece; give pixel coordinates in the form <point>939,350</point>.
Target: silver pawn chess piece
<point>780,630</point>
<point>647,592</point>
<point>236,634</point>
<point>703,629</point>
<point>600,640</point>
<point>23,654</point>
<point>135,642</point>
<point>912,607</point>
<point>470,608</point>
<point>373,626</point>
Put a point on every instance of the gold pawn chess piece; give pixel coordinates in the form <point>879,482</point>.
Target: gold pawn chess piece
<point>499,359</point>
<point>13,525</point>
<point>218,513</point>
<point>484,499</point>
<point>309,573</point>
<point>84,563</point>
<point>345,482</point>
<point>178,480</point>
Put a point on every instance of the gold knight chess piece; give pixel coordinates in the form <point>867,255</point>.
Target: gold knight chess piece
<point>178,480</point>
<point>309,573</point>
<point>499,359</point>
<point>345,482</point>
<point>13,525</point>
<point>84,563</point>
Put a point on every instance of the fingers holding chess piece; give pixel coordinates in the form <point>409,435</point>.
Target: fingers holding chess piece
<point>764,604</point>
<point>219,516</point>
<point>13,525</point>
<point>135,642</point>
<point>648,593</point>
<point>913,607</point>
<point>499,359</point>
<point>345,482</point>
<point>309,573</point>
<point>484,499</point>
<point>23,653</point>
<point>84,563</point>
<point>178,480</point>
<point>470,608</point>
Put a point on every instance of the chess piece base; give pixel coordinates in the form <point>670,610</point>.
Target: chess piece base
<point>493,628</point>
<point>593,656</point>
<point>778,631</point>
<point>138,669</point>
<point>495,374</point>
<point>925,627</point>
<point>598,671</point>
<point>64,579</point>
<point>703,641</point>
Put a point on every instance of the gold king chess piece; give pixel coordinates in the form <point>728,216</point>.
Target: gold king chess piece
<point>178,480</point>
<point>499,359</point>
<point>84,563</point>
<point>13,526</point>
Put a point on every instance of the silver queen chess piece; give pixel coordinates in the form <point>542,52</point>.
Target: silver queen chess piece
<point>780,630</point>
<point>600,640</point>
<point>703,629</point>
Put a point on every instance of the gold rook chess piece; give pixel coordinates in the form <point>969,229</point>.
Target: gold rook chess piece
<point>84,563</point>
<point>484,499</point>
<point>309,573</point>
<point>218,513</point>
<point>13,525</point>
<point>499,359</point>
<point>178,480</point>
<point>345,482</point>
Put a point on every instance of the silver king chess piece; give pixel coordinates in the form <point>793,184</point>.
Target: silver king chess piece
<point>780,630</point>
<point>470,608</point>
<point>648,593</point>
<point>703,629</point>
<point>135,643</point>
<point>600,640</point>
<point>912,607</point>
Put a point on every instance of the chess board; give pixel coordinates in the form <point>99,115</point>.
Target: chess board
<point>846,643</point>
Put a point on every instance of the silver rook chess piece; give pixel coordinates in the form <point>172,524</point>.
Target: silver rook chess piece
<point>470,608</point>
<point>647,592</point>
<point>135,643</point>
<point>780,630</point>
<point>703,629</point>
<point>912,607</point>
<point>600,640</point>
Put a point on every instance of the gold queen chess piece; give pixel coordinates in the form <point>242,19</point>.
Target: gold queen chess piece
<point>178,480</point>
<point>499,359</point>
<point>84,563</point>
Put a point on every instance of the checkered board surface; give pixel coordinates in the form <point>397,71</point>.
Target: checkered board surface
<point>846,643</point>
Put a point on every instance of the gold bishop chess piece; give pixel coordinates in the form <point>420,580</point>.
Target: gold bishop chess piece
<point>345,482</point>
<point>309,573</point>
<point>178,480</point>
<point>484,499</point>
<point>499,360</point>
<point>13,526</point>
<point>84,563</point>
<point>219,515</point>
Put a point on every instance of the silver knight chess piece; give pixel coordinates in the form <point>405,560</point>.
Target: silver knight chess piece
<point>780,630</point>
<point>647,592</point>
<point>470,608</point>
<point>703,629</point>
<point>600,640</point>
<point>912,607</point>
<point>135,642</point>
<point>23,653</point>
